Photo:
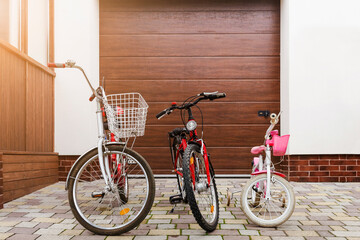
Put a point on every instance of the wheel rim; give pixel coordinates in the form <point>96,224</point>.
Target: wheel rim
<point>110,212</point>
<point>206,200</point>
<point>267,210</point>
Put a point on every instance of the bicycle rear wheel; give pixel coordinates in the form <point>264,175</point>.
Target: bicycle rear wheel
<point>103,210</point>
<point>203,199</point>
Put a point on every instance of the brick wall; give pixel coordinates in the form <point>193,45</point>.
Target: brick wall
<point>65,163</point>
<point>322,168</point>
<point>298,168</point>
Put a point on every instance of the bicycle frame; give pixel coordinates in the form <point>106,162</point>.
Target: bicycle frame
<point>194,138</point>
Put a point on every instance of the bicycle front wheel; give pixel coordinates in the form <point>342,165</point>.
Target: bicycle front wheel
<point>202,197</point>
<point>102,209</point>
<point>267,211</point>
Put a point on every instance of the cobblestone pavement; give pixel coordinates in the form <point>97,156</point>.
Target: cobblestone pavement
<point>323,211</point>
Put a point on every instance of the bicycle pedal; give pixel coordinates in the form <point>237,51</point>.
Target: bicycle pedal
<point>176,199</point>
<point>97,194</point>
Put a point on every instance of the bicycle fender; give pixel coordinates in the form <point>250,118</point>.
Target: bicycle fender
<point>77,160</point>
<point>272,172</point>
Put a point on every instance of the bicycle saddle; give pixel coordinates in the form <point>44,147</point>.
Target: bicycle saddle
<point>177,131</point>
<point>258,149</point>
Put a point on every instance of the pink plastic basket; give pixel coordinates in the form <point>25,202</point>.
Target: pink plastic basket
<point>280,145</point>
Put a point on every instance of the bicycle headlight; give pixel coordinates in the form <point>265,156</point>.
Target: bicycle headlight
<point>191,125</point>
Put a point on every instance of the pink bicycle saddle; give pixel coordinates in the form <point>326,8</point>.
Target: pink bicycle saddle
<point>257,149</point>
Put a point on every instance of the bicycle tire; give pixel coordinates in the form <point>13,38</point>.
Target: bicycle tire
<point>246,206</point>
<point>207,226</point>
<point>74,180</point>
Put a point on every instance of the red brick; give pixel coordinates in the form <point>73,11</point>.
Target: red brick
<point>319,162</point>
<point>300,174</point>
<point>293,178</point>
<point>329,168</point>
<point>353,179</point>
<point>329,157</point>
<point>328,179</point>
<point>353,168</point>
<point>308,168</point>
<point>308,179</point>
<point>294,168</point>
<point>309,157</point>
<point>342,168</point>
<point>299,163</point>
<point>342,173</point>
<point>319,173</point>
<point>353,156</point>
<point>343,162</point>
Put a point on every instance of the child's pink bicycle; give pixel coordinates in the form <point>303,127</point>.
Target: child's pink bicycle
<point>267,199</point>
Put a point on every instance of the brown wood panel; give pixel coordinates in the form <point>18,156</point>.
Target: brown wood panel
<point>215,135</point>
<point>189,67</point>
<point>24,173</point>
<point>25,158</point>
<point>12,101</point>
<point>30,174</point>
<point>186,5</point>
<point>222,158</point>
<point>190,45</point>
<point>216,113</point>
<point>19,192</point>
<point>27,99</point>
<point>28,183</point>
<point>39,110</point>
<point>26,123</point>
<point>179,90</point>
<point>21,167</point>
<point>114,23</point>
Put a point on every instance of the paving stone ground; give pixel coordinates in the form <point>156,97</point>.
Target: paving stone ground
<point>328,211</point>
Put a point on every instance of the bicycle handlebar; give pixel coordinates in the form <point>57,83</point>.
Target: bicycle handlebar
<point>202,96</point>
<point>72,64</point>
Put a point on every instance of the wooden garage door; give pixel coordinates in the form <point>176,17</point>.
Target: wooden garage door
<point>169,50</point>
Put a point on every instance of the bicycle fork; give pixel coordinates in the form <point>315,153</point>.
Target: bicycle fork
<point>104,165</point>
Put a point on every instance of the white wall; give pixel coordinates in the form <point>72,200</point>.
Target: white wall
<point>38,30</point>
<point>76,38</point>
<point>322,74</point>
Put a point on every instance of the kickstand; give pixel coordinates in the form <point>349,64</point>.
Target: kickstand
<point>172,210</point>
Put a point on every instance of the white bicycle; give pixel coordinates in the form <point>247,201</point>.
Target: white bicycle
<point>267,199</point>
<point>111,188</point>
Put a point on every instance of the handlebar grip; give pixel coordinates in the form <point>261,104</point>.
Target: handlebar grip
<point>220,95</point>
<point>161,114</point>
<point>56,65</point>
<point>216,96</point>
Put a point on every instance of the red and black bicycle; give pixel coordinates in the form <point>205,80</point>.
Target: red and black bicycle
<point>192,165</point>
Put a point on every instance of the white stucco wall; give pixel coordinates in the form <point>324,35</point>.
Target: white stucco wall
<point>320,67</point>
<point>76,38</point>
